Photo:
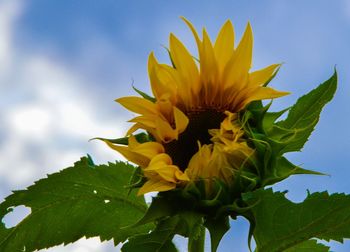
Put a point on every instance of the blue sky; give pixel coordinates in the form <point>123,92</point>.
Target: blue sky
<point>62,63</point>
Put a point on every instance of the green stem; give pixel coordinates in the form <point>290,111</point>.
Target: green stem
<point>197,245</point>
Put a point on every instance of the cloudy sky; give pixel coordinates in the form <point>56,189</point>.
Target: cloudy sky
<point>62,63</point>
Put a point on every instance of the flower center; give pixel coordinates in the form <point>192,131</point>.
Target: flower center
<point>182,150</point>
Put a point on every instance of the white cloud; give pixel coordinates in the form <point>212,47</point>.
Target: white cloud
<point>41,106</point>
<point>30,120</point>
<point>9,11</point>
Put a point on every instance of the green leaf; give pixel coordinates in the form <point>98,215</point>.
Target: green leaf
<point>137,179</point>
<point>192,224</point>
<point>294,131</point>
<point>281,224</point>
<point>81,201</point>
<point>159,240</point>
<point>161,207</point>
<point>217,229</point>
<point>169,223</point>
<point>309,246</point>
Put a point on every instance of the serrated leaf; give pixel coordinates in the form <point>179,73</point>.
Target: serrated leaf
<point>159,240</point>
<point>80,201</point>
<point>309,246</point>
<point>294,131</point>
<point>281,224</point>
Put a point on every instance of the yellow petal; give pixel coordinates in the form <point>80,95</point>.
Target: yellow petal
<point>165,106</point>
<point>185,65</point>
<point>238,66</point>
<point>149,149</point>
<point>224,45</point>
<point>145,120</point>
<point>161,166</point>
<point>181,120</point>
<point>166,172</point>
<point>164,130</point>
<point>130,155</point>
<point>260,77</point>
<point>262,93</point>
<point>157,87</point>
<point>156,186</point>
<point>197,167</point>
<point>162,81</point>
<point>138,153</point>
<point>161,159</point>
<point>244,51</point>
<point>133,128</point>
<point>195,34</point>
<point>138,105</point>
<point>181,176</point>
<point>132,142</point>
<point>208,66</point>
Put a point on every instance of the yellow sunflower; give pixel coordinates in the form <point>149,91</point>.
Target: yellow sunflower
<point>193,117</point>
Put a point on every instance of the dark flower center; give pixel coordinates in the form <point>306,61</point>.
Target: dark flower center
<point>182,150</point>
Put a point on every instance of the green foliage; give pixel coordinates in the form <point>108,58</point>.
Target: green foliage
<point>273,139</point>
<point>81,201</point>
<point>308,246</point>
<point>171,217</point>
<point>281,225</point>
<point>160,208</point>
<point>217,229</point>
<point>291,134</point>
<point>88,200</point>
<point>160,239</point>
<point>186,223</point>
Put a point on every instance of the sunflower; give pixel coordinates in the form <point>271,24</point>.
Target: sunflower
<point>194,115</point>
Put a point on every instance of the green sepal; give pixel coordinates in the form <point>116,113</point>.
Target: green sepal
<point>270,118</point>
<point>144,95</point>
<point>140,137</point>
<point>282,169</point>
<point>171,58</point>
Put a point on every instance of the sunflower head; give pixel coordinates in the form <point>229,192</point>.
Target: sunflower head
<point>195,118</point>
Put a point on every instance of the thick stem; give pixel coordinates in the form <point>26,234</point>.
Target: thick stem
<point>197,245</point>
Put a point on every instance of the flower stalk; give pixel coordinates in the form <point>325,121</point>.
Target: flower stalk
<point>196,244</point>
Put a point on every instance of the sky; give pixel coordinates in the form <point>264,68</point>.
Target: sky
<point>62,64</point>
